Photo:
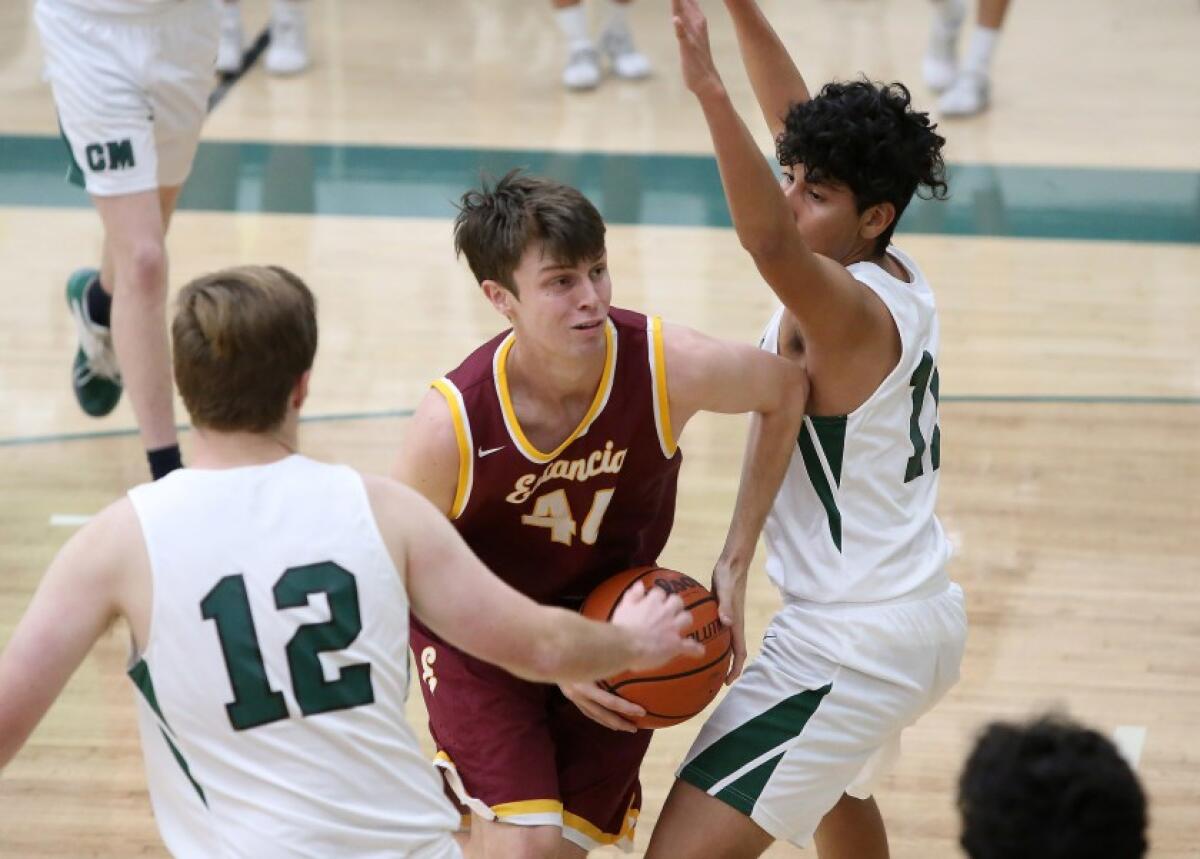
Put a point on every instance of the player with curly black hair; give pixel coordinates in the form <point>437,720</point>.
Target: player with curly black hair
<point>1049,789</point>
<point>872,630</point>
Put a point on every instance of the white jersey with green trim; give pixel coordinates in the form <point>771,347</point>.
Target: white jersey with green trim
<point>854,520</point>
<point>273,681</point>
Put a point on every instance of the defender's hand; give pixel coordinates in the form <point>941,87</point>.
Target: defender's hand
<point>695,55</point>
<point>729,584</point>
<point>658,622</point>
<point>603,707</point>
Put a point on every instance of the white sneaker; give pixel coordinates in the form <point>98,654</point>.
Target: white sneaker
<point>582,70</point>
<point>230,41</point>
<point>288,51</point>
<point>940,63</point>
<point>939,71</point>
<point>626,60</point>
<point>967,96</point>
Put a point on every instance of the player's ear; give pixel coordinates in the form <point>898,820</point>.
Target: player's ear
<point>300,391</point>
<point>500,296</point>
<point>876,219</point>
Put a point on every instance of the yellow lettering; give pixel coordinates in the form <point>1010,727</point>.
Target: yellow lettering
<point>593,465</point>
<point>617,461</point>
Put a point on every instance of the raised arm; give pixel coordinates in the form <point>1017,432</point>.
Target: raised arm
<point>836,313</point>
<point>777,82</point>
<point>463,602</point>
<point>84,589</point>
<point>713,375</point>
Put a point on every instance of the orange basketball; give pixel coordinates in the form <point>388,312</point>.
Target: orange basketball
<point>678,690</point>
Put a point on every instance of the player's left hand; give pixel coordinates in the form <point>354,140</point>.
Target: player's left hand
<point>695,55</point>
<point>729,584</point>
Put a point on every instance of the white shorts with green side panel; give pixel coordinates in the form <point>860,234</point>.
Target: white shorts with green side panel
<point>819,713</point>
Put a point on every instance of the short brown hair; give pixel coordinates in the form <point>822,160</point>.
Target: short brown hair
<point>495,225</point>
<point>243,337</point>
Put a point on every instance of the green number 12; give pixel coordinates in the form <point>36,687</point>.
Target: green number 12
<point>254,701</point>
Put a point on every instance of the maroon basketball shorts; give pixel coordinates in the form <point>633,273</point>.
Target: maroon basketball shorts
<point>521,753</point>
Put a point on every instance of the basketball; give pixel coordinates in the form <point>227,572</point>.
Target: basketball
<point>678,690</point>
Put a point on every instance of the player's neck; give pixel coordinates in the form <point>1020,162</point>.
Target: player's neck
<point>214,449</point>
<point>539,375</point>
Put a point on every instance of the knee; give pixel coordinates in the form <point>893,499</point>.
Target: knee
<point>144,266</point>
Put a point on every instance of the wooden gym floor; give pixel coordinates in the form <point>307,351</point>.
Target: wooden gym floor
<point>1066,271</point>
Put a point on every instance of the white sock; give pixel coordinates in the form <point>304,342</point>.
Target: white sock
<point>948,17</point>
<point>573,22</point>
<point>618,19</point>
<point>978,60</point>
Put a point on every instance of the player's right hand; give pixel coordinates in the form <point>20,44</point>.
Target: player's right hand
<point>611,711</point>
<point>658,621</point>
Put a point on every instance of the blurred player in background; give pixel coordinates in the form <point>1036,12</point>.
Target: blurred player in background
<point>1049,789</point>
<point>965,89</point>
<point>287,50</point>
<point>131,80</point>
<point>583,70</point>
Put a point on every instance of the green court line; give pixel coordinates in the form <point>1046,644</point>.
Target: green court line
<point>1032,399</point>
<point>1103,204</point>
<point>17,441</point>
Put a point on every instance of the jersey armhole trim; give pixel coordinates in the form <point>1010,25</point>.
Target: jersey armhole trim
<point>462,434</point>
<point>658,385</point>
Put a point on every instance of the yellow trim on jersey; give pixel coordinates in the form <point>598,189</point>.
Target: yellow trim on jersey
<point>442,756</point>
<point>466,461</point>
<point>662,400</point>
<point>510,414</point>
<point>597,834</point>
<point>527,806</point>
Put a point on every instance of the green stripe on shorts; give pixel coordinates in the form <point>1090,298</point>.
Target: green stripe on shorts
<point>738,749</point>
<point>74,171</point>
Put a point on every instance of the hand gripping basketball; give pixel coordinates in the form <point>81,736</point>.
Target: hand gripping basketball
<point>683,686</point>
<point>661,623</point>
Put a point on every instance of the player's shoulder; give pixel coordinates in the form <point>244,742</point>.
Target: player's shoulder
<point>478,367</point>
<point>392,500</point>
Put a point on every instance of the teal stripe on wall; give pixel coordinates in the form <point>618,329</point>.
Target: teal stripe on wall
<point>680,190</point>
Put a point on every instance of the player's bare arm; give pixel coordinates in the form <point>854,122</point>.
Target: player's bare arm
<point>837,315</point>
<point>776,81</point>
<point>428,460</point>
<point>706,374</point>
<point>102,572</point>
<point>452,592</point>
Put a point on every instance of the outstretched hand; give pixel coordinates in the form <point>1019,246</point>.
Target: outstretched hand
<point>695,54</point>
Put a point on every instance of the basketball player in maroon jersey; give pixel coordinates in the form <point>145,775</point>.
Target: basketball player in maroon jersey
<point>553,448</point>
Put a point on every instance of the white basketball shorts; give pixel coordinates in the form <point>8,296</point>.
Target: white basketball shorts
<point>820,711</point>
<point>131,90</point>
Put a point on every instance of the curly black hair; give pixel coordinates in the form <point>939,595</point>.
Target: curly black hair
<point>1050,789</point>
<point>866,136</point>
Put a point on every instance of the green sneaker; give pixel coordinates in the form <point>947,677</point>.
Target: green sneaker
<point>95,375</point>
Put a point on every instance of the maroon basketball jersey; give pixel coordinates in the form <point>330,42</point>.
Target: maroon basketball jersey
<point>555,524</point>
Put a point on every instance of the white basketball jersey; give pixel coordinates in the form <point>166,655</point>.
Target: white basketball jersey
<point>275,673</point>
<point>854,520</point>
